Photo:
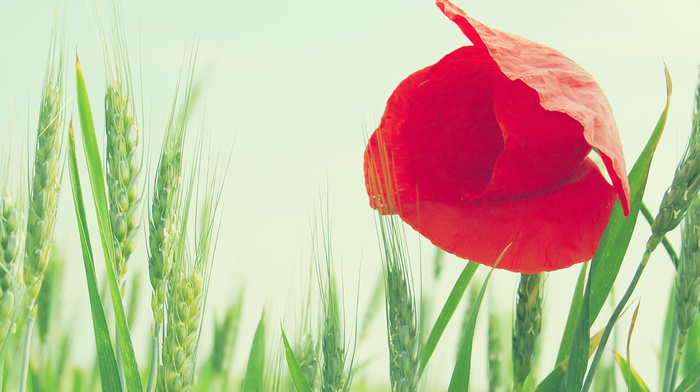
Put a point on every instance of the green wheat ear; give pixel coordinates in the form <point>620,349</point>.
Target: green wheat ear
<point>45,185</point>
<point>165,219</point>
<point>123,158</point>
<point>45,182</point>
<point>684,187</point>
<point>11,233</point>
<point>187,291</point>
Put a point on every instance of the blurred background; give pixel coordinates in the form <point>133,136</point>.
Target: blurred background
<point>292,89</point>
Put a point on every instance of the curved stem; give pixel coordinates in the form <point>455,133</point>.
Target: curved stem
<point>153,372</point>
<point>676,365</point>
<point>27,344</point>
<point>613,318</point>
<point>667,245</point>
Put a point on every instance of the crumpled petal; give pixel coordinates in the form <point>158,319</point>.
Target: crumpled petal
<point>562,86</point>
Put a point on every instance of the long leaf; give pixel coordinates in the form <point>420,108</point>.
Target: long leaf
<point>608,258</point>
<point>668,339</point>
<point>691,381</point>
<point>632,379</point>
<point>613,246</point>
<point>462,369</point>
<point>574,311</point>
<point>300,382</point>
<point>109,372</point>
<point>554,379</point>
<point>256,361</point>
<point>691,351</point>
<point>99,194</point>
<point>446,314</point>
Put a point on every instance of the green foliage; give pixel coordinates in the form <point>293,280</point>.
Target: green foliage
<point>462,370</point>
<point>446,313</point>
<point>632,379</point>
<point>254,375</point>
<point>109,373</point>
<point>295,370</point>
<point>94,164</point>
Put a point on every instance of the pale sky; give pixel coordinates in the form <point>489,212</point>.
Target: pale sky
<point>295,83</point>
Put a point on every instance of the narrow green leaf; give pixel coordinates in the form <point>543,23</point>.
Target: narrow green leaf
<point>109,372</point>
<point>632,379</point>
<point>608,259</point>
<point>553,381</point>
<point>256,361</point>
<point>578,355</point>
<point>297,374</point>
<point>691,351</point>
<point>574,311</point>
<point>462,369</point>
<point>446,314</point>
<point>668,339</point>
<point>613,246</point>
<point>94,164</point>
<point>691,381</point>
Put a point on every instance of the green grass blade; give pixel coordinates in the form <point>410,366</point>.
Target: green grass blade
<point>608,259</point>
<point>462,369</point>
<point>691,381</point>
<point>94,163</point>
<point>256,361</point>
<point>691,352</point>
<point>446,314</point>
<point>295,371</point>
<point>668,339</point>
<point>574,310</point>
<point>613,246</point>
<point>632,379</point>
<point>105,355</point>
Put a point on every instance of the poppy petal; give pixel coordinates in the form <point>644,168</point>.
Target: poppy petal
<point>562,86</point>
<point>550,231</point>
<point>440,130</point>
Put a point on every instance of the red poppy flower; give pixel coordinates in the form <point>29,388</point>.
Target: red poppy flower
<point>489,146</point>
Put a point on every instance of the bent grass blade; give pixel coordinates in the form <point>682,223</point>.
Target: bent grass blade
<point>295,371</point>
<point>446,314</point>
<point>99,194</point>
<point>254,375</point>
<point>105,355</point>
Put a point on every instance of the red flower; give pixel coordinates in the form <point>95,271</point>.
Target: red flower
<point>489,146</point>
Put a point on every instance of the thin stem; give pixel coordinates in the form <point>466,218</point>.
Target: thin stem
<point>27,344</point>
<point>120,363</point>
<point>153,372</point>
<point>671,355</point>
<point>667,245</point>
<point>614,316</point>
<point>676,365</point>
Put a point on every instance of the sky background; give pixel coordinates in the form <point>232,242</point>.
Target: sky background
<point>293,87</point>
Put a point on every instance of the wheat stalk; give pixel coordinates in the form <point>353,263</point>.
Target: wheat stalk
<point>187,291</point>
<point>44,186</point>
<point>526,331</point>
<point>164,218</point>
